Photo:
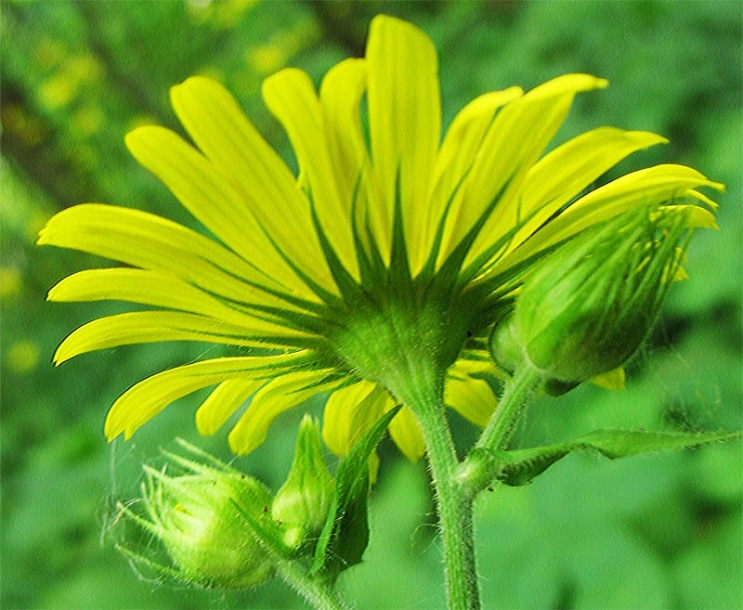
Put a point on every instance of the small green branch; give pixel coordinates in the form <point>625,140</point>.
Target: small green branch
<point>510,407</point>
<point>478,469</point>
<point>316,592</point>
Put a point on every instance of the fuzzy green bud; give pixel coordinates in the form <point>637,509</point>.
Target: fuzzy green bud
<point>304,499</point>
<point>199,518</point>
<point>505,346</point>
<point>586,308</point>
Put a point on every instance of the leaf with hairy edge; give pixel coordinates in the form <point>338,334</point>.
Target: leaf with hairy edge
<point>346,532</point>
<point>520,466</point>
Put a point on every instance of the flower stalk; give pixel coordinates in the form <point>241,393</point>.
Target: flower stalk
<point>475,472</point>
<point>313,590</point>
<point>454,507</point>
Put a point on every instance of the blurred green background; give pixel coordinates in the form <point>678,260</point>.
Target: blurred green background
<point>653,532</point>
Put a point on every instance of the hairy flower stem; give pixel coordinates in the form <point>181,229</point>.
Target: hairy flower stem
<point>316,592</point>
<point>510,408</point>
<point>477,470</point>
<point>453,504</point>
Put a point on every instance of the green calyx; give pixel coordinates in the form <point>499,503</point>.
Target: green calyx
<point>587,308</point>
<point>407,339</point>
<point>304,499</point>
<point>206,539</point>
<point>397,328</point>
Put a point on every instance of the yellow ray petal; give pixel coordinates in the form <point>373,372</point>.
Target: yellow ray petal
<point>517,137</point>
<point>563,173</point>
<point>221,130</point>
<point>404,124</point>
<point>349,413</point>
<point>474,363</point>
<point>154,326</point>
<point>646,187</point>
<point>465,134</point>
<point>278,395</point>
<point>226,398</point>
<point>144,240</point>
<point>406,432</point>
<point>697,217</point>
<point>472,398</point>
<point>148,288</point>
<point>612,380</point>
<point>291,97</point>
<point>461,144</point>
<point>340,95</point>
<point>146,399</point>
<point>212,199</point>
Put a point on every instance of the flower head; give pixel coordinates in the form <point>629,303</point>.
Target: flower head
<point>387,259</point>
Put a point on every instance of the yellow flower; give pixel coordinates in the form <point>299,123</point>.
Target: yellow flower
<point>382,266</point>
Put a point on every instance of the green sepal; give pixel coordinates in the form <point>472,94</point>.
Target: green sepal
<point>519,466</point>
<point>269,534</point>
<point>345,535</point>
<point>305,496</point>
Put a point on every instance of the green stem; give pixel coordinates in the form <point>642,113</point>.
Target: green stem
<point>453,505</point>
<point>479,468</point>
<point>510,408</point>
<point>314,591</point>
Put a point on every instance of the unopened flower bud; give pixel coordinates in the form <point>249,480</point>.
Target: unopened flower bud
<point>197,516</point>
<point>304,499</point>
<point>587,308</point>
<point>505,346</point>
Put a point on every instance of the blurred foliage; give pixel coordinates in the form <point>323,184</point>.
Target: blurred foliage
<point>657,531</point>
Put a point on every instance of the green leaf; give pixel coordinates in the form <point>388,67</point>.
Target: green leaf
<point>519,466</point>
<point>346,532</point>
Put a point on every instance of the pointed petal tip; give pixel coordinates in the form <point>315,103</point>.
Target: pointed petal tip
<point>116,425</point>
<point>108,429</point>
<point>60,356</point>
<point>52,294</point>
<point>194,87</point>
<point>285,84</point>
<point>203,425</point>
<point>567,84</point>
<point>650,138</point>
<point>718,186</point>
<point>41,236</point>
<point>136,133</point>
<point>136,137</point>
